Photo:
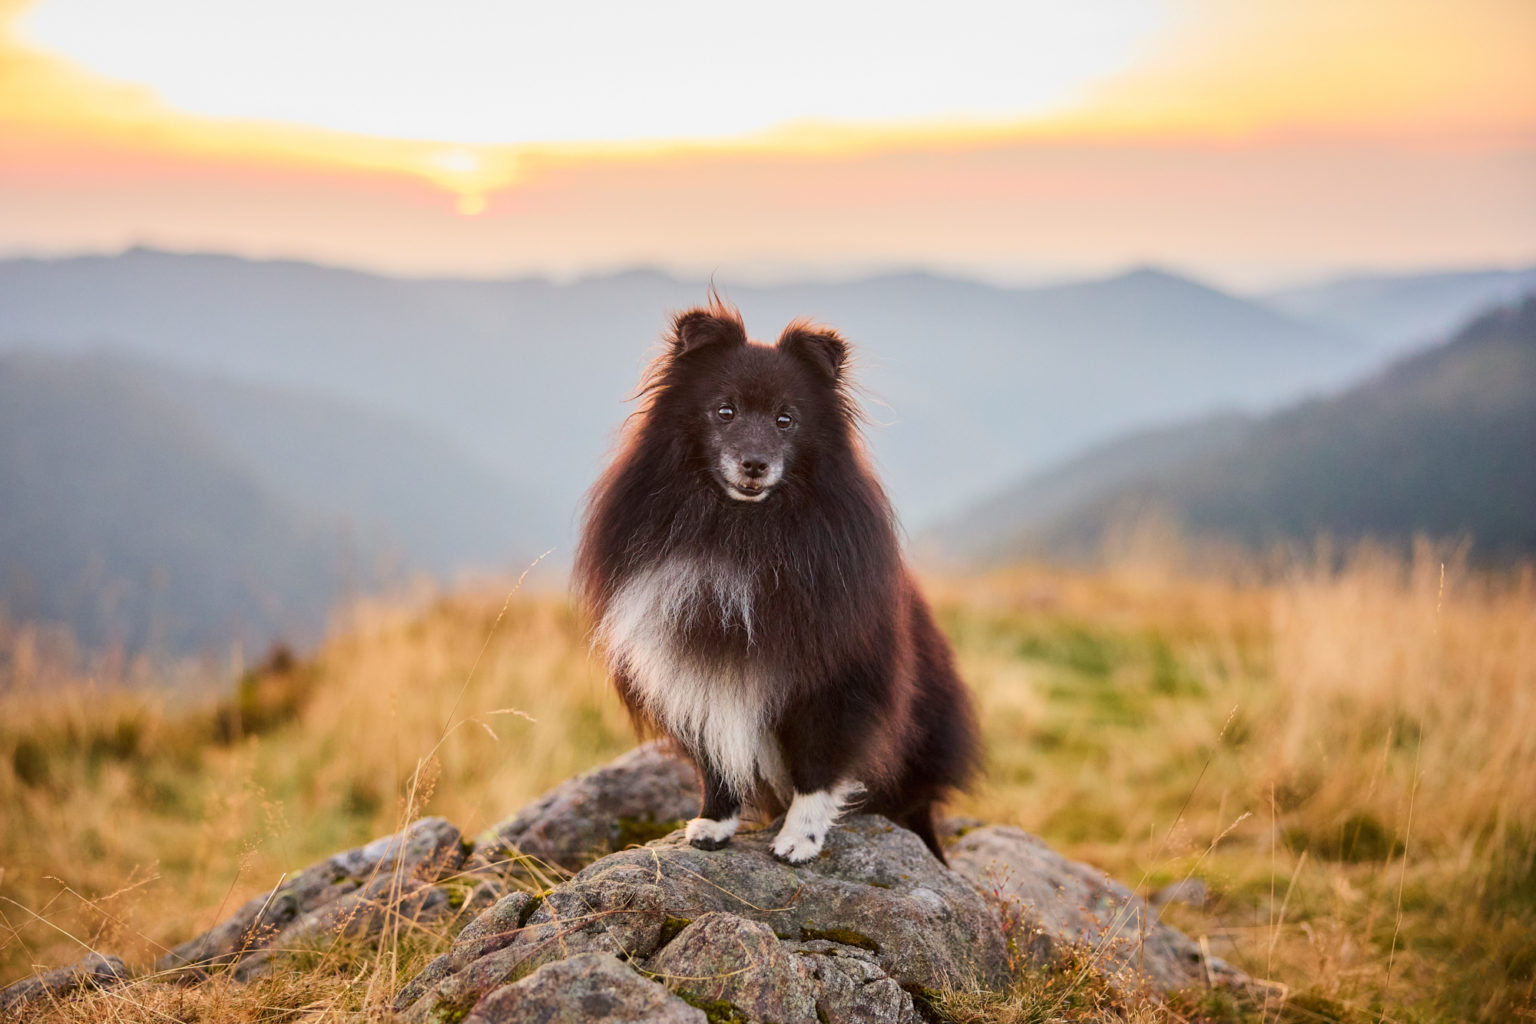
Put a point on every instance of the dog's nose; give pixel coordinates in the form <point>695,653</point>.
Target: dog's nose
<point>754,467</point>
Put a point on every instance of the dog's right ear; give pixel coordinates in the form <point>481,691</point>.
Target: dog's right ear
<point>719,324</point>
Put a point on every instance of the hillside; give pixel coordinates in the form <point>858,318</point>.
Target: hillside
<point>985,533</point>
<point>971,384</point>
<point>124,521</point>
<point>166,509</point>
<point>1440,444</point>
<point>408,494</point>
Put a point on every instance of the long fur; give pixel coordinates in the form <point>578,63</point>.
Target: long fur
<point>778,638</point>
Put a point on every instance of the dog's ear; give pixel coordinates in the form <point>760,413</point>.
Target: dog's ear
<point>719,324</point>
<point>821,348</point>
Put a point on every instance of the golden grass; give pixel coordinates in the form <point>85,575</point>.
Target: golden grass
<point>1344,751</point>
<point>1362,738</point>
<point>130,821</point>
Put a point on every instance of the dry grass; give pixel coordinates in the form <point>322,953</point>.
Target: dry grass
<point>130,821</point>
<point>1360,736</point>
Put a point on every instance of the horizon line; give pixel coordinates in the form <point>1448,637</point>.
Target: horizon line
<point>801,274</point>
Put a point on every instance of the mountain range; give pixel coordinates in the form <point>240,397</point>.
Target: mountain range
<point>1442,444</point>
<point>380,426</point>
<point>970,384</point>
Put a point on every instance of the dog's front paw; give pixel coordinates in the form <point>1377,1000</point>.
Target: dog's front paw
<point>809,818</point>
<point>709,834</point>
<point>797,847</point>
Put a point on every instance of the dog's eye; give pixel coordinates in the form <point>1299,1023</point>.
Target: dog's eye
<point>785,421</point>
<point>726,413</point>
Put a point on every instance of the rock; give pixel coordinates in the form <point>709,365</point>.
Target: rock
<point>355,891</point>
<point>485,934</point>
<point>851,987</point>
<point>637,797</point>
<point>1049,903</point>
<point>619,913</point>
<point>875,891</point>
<point>588,988</point>
<point>92,971</point>
<point>725,960</point>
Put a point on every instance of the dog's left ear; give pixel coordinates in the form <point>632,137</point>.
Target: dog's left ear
<point>821,348</point>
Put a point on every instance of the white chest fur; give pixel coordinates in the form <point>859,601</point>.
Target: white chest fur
<point>724,711</point>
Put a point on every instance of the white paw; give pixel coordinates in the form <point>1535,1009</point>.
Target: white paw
<point>797,847</point>
<point>809,818</point>
<point>709,834</point>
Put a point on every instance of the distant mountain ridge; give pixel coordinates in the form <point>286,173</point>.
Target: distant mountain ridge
<point>530,376</point>
<point>1397,313</point>
<point>1442,443</point>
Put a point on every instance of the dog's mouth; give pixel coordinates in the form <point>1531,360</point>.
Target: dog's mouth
<point>747,483</point>
<point>748,490</point>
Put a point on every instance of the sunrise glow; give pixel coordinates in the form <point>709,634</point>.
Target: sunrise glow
<point>594,70</point>
<point>487,137</point>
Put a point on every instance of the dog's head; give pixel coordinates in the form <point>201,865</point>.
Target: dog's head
<point>752,415</point>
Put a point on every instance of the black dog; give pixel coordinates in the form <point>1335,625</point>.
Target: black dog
<point>742,564</point>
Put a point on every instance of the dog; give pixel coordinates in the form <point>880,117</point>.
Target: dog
<point>742,566</point>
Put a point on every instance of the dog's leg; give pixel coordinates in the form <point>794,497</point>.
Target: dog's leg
<point>823,743</point>
<point>811,815</point>
<point>720,815</point>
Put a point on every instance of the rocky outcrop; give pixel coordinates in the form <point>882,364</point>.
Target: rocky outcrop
<point>777,942</point>
<point>868,931</point>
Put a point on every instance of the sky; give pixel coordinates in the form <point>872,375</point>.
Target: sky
<point>1253,143</point>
